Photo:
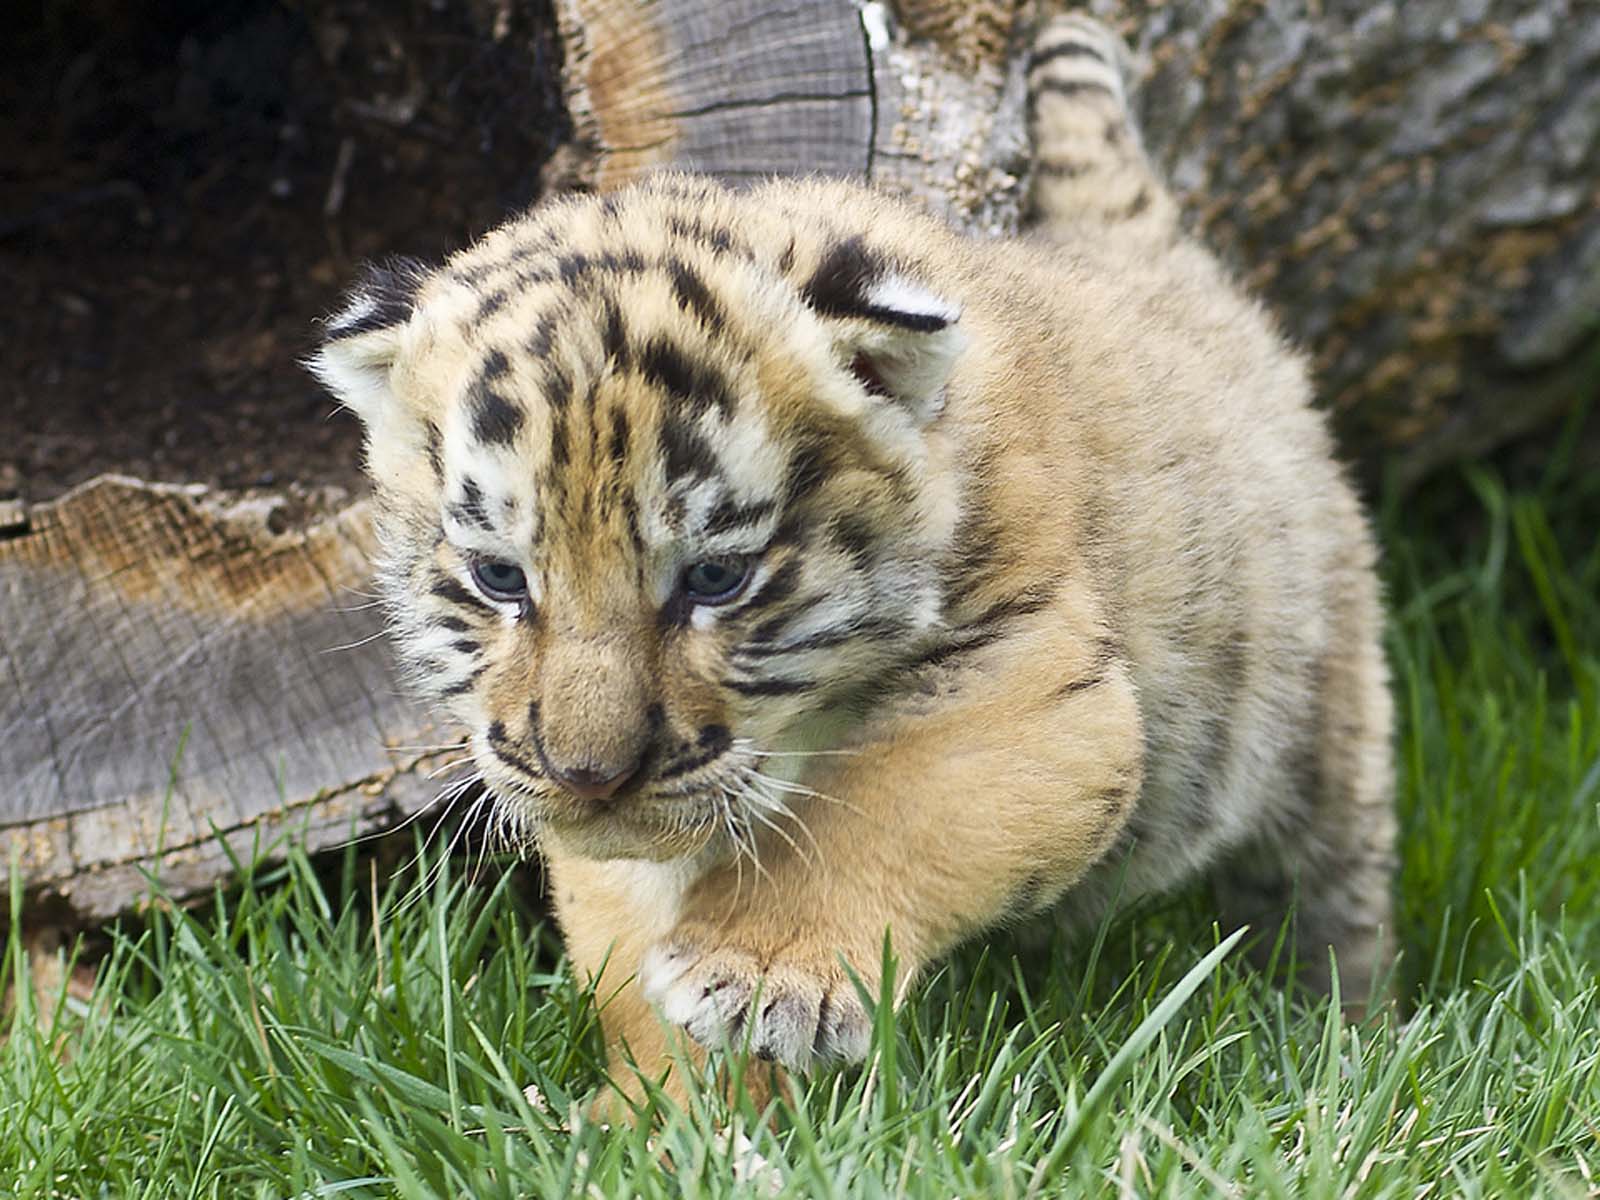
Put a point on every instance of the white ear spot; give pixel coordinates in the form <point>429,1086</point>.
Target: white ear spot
<point>914,305</point>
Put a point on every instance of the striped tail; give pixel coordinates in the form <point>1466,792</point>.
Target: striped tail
<point>1090,171</point>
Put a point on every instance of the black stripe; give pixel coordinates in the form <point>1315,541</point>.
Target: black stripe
<point>686,453</point>
<point>560,453</point>
<point>544,333</point>
<point>719,240</point>
<point>391,287</point>
<point>1106,651</point>
<point>1019,604</point>
<point>557,388</point>
<point>470,510</point>
<point>769,687</point>
<point>866,631</point>
<point>453,624</point>
<point>1139,204</point>
<point>728,515</point>
<point>713,743</point>
<point>630,516</point>
<point>780,586</point>
<point>614,337</point>
<point>570,266</point>
<point>619,435</point>
<point>495,420</point>
<point>807,470</point>
<point>1063,50</point>
<point>698,386</point>
<point>466,646</point>
<point>495,364</point>
<point>462,685</point>
<point>1082,684</point>
<point>512,759</point>
<point>1070,87</point>
<point>490,304</point>
<point>693,294</point>
<point>946,651</point>
<point>853,533</point>
<point>448,589</point>
<point>772,627</point>
<point>434,445</point>
<point>839,285</point>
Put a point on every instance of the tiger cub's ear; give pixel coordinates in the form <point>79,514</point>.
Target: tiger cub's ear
<point>364,337</point>
<point>901,339</point>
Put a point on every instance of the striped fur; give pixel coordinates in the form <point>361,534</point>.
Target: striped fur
<point>1054,586</point>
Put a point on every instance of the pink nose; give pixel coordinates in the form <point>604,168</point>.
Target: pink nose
<point>591,785</point>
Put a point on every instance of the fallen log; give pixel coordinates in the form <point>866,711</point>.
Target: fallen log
<point>192,676</point>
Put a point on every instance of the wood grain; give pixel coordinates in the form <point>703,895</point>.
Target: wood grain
<point>184,670</point>
<point>738,88</point>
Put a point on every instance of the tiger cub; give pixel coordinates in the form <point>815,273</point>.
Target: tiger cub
<point>804,571</point>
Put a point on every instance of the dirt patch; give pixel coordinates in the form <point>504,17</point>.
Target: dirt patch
<point>184,189</point>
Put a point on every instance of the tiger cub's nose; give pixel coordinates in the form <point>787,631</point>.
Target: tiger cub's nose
<point>588,783</point>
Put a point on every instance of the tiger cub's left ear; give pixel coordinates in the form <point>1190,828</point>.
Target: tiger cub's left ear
<point>900,337</point>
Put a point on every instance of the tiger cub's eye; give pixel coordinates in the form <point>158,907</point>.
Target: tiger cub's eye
<point>715,580</point>
<point>499,580</point>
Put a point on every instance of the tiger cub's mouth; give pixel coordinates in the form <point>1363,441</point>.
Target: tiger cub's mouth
<point>722,806</point>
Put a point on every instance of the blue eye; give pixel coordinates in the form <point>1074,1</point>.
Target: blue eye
<point>715,580</point>
<point>499,580</point>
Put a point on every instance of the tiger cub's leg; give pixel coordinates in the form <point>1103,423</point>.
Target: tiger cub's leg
<point>1090,170</point>
<point>1328,851</point>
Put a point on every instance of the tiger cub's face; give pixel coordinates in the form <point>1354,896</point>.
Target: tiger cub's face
<point>658,479</point>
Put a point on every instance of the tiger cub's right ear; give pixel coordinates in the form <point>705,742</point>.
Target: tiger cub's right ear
<point>899,338</point>
<point>364,337</point>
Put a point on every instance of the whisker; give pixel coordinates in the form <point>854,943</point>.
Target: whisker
<point>803,753</point>
<point>743,837</point>
<point>756,786</point>
<point>755,812</point>
<point>356,645</point>
<point>450,796</point>
<point>453,791</point>
<point>439,749</point>
<point>726,811</point>
<point>452,765</point>
<point>799,789</point>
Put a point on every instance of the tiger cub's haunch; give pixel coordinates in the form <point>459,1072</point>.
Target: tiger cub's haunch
<point>803,570</point>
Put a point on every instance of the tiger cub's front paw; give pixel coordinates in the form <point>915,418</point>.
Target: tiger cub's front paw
<point>796,1006</point>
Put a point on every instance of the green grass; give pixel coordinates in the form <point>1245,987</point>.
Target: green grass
<point>283,1042</point>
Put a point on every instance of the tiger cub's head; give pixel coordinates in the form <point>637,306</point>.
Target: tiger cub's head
<point>659,482</point>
